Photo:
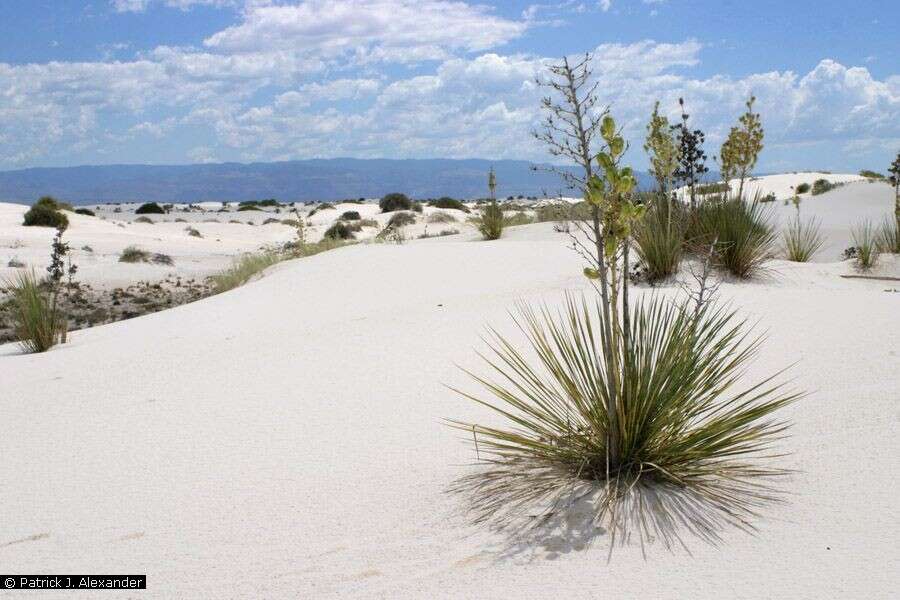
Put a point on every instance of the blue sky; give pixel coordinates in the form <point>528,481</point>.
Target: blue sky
<point>181,81</point>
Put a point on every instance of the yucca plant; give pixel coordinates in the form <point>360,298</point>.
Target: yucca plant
<point>37,321</point>
<point>865,240</point>
<point>490,223</point>
<point>741,230</point>
<point>659,238</point>
<point>889,236</point>
<point>683,433</point>
<point>802,239</point>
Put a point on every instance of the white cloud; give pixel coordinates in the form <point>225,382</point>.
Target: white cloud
<point>142,5</point>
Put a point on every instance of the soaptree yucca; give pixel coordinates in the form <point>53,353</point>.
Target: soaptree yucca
<point>635,416</point>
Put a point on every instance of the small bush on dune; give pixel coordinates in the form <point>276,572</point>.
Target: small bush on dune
<point>417,207</point>
<point>150,208</point>
<point>193,232</point>
<point>713,188</point>
<point>350,215</point>
<point>802,240</point>
<point>42,215</point>
<point>441,217</point>
<point>401,219</point>
<point>871,174</point>
<point>820,186</point>
<point>290,222</point>
<point>520,218</point>
<point>248,207</point>
<point>146,220</point>
<point>339,231</point>
<point>802,188</point>
<point>865,241</point>
<point>490,223</point>
<point>659,238</point>
<point>85,211</point>
<point>241,270</point>
<point>395,201</point>
<point>741,232</point>
<point>447,202</point>
<point>38,324</point>
<point>889,236</point>
<point>270,221</point>
<point>133,254</point>
<point>368,223</point>
<point>52,203</point>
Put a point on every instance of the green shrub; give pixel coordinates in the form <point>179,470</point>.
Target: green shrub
<point>802,188</point>
<point>684,440</point>
<point>270,221</point>
<point>85,211</point>
<point>340,231</point>
<point>820,186</point>
<point>865,240</point>
<point>520,218</point>
<point>889,236</point>
<point>395,201</point>
<point>490,224</point>
<point>441,217</point>
<point>368,223</point>
<point>37,323</point>
<point>42,215</point>
<point>133,254</point>
<point>871,174</point>
<point>741,232</point>
<point>150,208</point>
<point>802,240</point>
<point>659,238</point>
<point>146,220</point>
<point>290,222</point>
<point>53,203</point>
<point>401,219</point>
<point>417,207</point>
<point>350,215</point>
<point>248,207</point>
<point>241,270</point>
<point>447,202</point>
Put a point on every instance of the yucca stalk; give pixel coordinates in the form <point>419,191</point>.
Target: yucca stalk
<point>802,240</point>
<point>682,434</point>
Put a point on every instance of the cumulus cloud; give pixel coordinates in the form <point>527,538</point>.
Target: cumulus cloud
<point>142,5</point>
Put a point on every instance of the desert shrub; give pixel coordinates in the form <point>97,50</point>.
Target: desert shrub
<point>133,254</point>
<point>683,433</point>
<point>85,211</point>
<point>441,217</point>
<point>871,174</point>
<point>865,240</point>
<point>802,188</point>
<point>42,215</point>
<point>713,188</point>
<point>520,218</point>
<point>241,270</point>
<point>15,263</point>
<point>368,223</point>
<point>395,201</point>
<point>235,222</point>
<point>553,212</point>
<point>146,220</point>
<point>889,236</point>
<point>211,221</point>
<point>490,223</point>
<point>770,197</point>
<point>802,240</point>
<point>417,207</point>
<point>192,232</point>
<point>741,232</point>
<point>248,207</point>
<point>37,323</point>
<point>659,238</point>
<point>401,219</point>
<point>350,215</point>
<point>52,203</point>
<point>150,208</point>
<point>290,222</point>
<point>820,186</point>
<point>161,259</point>
<point>339,231</point>
<point>87,248</point>
<point>270,221</point>
<point>447,202</point>
<point>443,233</point>
<point>180,220</point>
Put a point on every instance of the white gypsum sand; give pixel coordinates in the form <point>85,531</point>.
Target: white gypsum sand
<point>284,439</point>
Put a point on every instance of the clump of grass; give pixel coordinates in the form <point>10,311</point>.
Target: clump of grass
<point>820,186</point>
<point>133,254</point>
<point>146,220</point>
<point>683,436</point>
<point>659,238</point>
<point>447,202</point>
<point>889,236</point>
<point>491,223</point>
<point>401,219</point>
<point>865,241</point>
<point>38,324</point>
<point>248,207</point>
<point>802,188</point>
<point>520,218</point>
<point>341,231</point>
<point>291,222</point>
<point>741,232</point>
<point>368,223</point>
<point>441,217</point>
<point>242,270</point>
<point>350,215</point>
<point>802,240</point>
<point>271,221</point>
<point>85,211</point>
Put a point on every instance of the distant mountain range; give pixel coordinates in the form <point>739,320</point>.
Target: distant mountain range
<point>318,179</point>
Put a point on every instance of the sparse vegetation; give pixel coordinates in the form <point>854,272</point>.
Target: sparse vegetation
<point>146,220</point>
<point>44,213</point>
<point>441,217</point>
<point>865,241</point>
<point>37,324</point>
<point>242,270</point>
<point>150,208</point>
<point>802,240</point>
<point>871,174</point>
<point>803,188</point>
<point>395,201</point>
<point>133,254</point>
<point>341,231</point>
<point>401,219</point>
<point>248,207</point>
<point>490,223</point>
<point>447,202</point>
<point>820,186</point>
<point>659,237</point>
<point>889,236</point>
<point>85,211</point>
<point>741,233</point>
<point>350,215</point>
<point>519,218</point>
<point>196,233</point>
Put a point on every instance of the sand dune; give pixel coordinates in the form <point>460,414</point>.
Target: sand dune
<point>285,439</point>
